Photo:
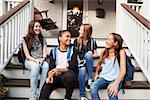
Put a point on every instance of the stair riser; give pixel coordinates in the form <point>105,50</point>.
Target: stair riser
<point>18,74</point>
<point>100,42</point>
<point>14,60</point>
<point>23,92</point>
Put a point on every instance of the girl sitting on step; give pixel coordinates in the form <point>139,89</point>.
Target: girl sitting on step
<point>87,49</point>
<point>63,67</point>
<point>35,49</point>
<point>112,71</point>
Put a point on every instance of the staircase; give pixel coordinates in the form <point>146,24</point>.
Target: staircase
<point>129,24</point>
<point>19,87</point>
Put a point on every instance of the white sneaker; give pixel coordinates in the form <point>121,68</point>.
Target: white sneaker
<point>90,81</point>
<point>87,88</point>
<point>38,94</point>
<point>83,98</point>
<point>32,98</point>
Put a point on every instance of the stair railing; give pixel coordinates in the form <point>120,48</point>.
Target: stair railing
<point>135,30</point>
<point>136,6</point>
<point>13,26</point>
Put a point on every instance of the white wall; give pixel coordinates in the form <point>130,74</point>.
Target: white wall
<point>55,13</point>
<point>102,26</point>
<point>2,7</point>
<point>145,9</point>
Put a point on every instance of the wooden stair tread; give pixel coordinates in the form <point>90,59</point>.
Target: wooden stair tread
<point>20,66</point>
<point>18,82</point>
<point>25,83</point>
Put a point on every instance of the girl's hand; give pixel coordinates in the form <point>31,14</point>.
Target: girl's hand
<point>112,89</point>
<point>55,71</point>
<point>49,80</point>
<point>37,61</point>
<point>41,60</point>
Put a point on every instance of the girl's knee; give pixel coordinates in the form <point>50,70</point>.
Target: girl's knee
<point>45,65</point>
<point>89,53</point>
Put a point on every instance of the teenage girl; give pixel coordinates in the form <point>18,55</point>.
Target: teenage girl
<point>112,71</point>
<point>87,49</point>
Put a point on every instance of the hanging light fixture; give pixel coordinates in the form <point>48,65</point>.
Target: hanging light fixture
<point>76,10</point>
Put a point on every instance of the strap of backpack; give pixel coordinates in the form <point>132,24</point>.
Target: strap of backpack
<point>69,53</point>
<point>92,44</point>
<point>54,54</point>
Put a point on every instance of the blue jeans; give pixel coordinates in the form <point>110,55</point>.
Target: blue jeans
<point>35,69</point>
<point>101,83</point>
<point>88,68</point>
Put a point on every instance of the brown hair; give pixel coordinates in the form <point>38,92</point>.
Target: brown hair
<point>117,38</point>
<point>87,28</point>
<point>31,34</point>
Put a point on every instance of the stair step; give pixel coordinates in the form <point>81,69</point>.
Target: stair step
<point>18,73</point>
<point>17,90</point>
<point>26,83</point>
<point>20,66</point>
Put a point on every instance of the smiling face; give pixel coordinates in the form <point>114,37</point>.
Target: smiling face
<point>81,31</point>
<point>110,43</point>
<point>37,28</point>
<point>65,38</point>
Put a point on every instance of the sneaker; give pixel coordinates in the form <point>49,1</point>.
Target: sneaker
<point>83,98</point>
<point>88,83</point>
<point>38,94</point>
<point>32,98</point>
<point>82,62</point>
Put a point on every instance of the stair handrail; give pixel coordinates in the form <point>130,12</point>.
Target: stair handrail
<point>135,30</point>
<point>13,26</point>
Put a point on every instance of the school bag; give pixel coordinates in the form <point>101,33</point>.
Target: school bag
<point>92,45</point>
<point>21,55</point>
<point>129,71</point>
<point>68,53</point>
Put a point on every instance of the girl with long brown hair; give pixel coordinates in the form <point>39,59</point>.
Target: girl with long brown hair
<point>35,49</point>
<point>112,71</point>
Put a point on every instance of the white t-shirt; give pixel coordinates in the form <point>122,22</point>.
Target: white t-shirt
<point>61,59</point>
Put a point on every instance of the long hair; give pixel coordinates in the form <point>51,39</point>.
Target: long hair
<point>31,34</point>
<point>117,38</point>
<point>87,29</point>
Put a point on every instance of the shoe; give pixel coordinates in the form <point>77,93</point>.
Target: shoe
<point>82,62</point>
<point>83,98</point>
<point>38,94</point>
<point>88,83</point>
<point>32,98</point>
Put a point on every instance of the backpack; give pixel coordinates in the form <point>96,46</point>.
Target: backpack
<point>21,55</point>
<point>129,71</point>
<point>68,53</point>
<point>92,45</point>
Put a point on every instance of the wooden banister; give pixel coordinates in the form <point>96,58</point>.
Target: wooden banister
<point>10,13</point>
<point>139,17</point>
